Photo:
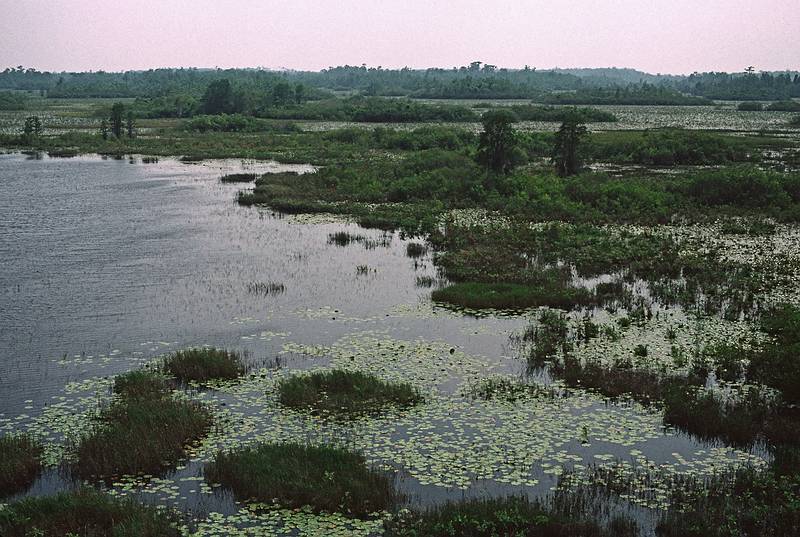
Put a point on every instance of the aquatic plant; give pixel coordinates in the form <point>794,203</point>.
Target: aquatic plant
<point>144,430</point>
<point>345,393</point>
<point>416,249</point>
<point>204,364</point>
<point>324,478</point>
<point>518,516</point>
<point>20,463</point>
<point>478,295</point>
<point>85,512</point>
<point>238,178</point>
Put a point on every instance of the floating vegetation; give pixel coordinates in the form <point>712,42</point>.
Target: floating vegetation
<point>339,392</point>
<point>143,430</point>
<point>238,178</point>
<point>508,389</point>
<point>20,463</point>
<point>294,475</point>
<point>85,512</point>
<point>265,288</point>
<point>363,270</point>
<point>204,364</point>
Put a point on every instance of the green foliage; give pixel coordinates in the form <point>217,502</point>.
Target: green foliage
<point>549,113</point>
<point>795,121</point>
<point>369,110</point>
<point>143,430</point>
<point>750,106</point>
<point>325,478</point>
<point>20,463</point>
<point>497,144</point>
<point>12,100</point>
<point>566,146</point>
<point>204,364</point>
<point>563,516</point>
<point>33,128</point>
<point>238,178</point>
<point>634,94</point>
<point>778,362</point>
<point>477,295</point>
<point>87,513</point>
<point>783,106</point>
<point>346,393</point>
<point>235,123</point>
<point>747,503</point>
<point>116,119</point>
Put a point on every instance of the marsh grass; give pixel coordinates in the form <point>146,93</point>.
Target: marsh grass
<point>512,296</point>
<point>416,249</point>
<point>325,478</point>
<point>238,178</point>
<point>344,393</point>
<point>204,364</point>
<point>265,288</point>
<point>510,516</point>
<point>144,430</point>
<point>20,463</point>
<point>85,513</point>
<point>506,389</point>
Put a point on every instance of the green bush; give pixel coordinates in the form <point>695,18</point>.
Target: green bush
<point>20,463</point>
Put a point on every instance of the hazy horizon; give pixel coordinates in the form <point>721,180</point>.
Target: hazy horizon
<point>679,38</point>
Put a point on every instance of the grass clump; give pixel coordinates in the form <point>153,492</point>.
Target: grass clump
<point>143,430</point>
<point>86,513</point>
<point>344,392</point>
<point>20,463</point>
<point>478,295</point>
<point>238,178</point>
<point>204,364</point>
<point>512,516</point>
<point>325,478</point>
<point>416,249</point>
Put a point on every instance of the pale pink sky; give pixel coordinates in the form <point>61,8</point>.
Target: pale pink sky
<point>668,36</point>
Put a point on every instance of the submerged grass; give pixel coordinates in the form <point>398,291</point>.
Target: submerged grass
<point>325,478</point>
<point>338,392</point>
<point>20,463</point>
<point>85,513</point>
<point>144,430</point>
<point>204,364</point>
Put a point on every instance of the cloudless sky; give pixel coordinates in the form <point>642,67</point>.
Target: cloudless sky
<point>667,36</point>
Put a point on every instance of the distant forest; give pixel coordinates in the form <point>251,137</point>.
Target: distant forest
<point>476,81</point>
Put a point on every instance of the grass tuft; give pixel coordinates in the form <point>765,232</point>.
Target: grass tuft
<point>238,178</point>
<point>143,431</point>
<point>20,463</point>
<point>344,392</point>
<point>86,513</point>
<point>204,364</point>
<point>325,478</point>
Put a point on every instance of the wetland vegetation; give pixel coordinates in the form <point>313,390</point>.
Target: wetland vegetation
<point>643,280</point>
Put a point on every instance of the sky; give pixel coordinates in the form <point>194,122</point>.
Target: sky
<point>657,36</point>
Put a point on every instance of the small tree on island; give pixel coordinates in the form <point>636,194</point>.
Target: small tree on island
<point>104,129</point>
<point>32,128</point>
<point>129,125</point>
<point>117,113</point>
<point>567,143</point>
<point>497,146</point>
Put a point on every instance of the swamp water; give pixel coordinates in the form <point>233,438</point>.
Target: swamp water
<point>107,264</point>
